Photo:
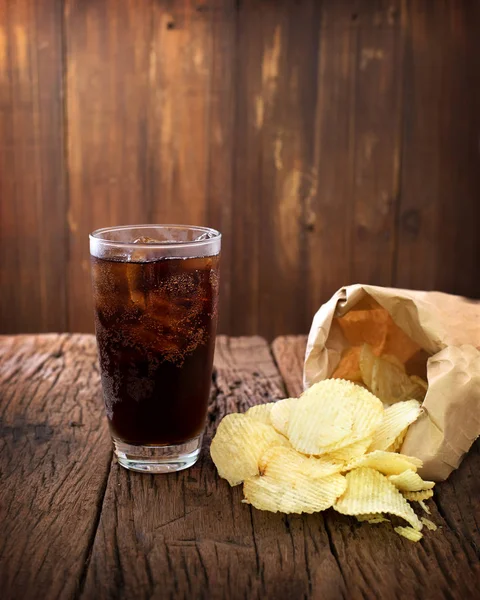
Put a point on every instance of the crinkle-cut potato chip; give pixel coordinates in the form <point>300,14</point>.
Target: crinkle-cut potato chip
<point>388,463</point>
<point>263,493</point>
<point>409,481</point>
<point>348,453</point>
<point>315,426</point>
<point>280,414</point>
<point>428,524</point>
<point>261,412</point>
<point>366,362</point>
<point>424,507</point>
<point>372,518</point>
<point>238,445</point>
<point>396,418</point>
<point>293,492</point>
<point>397,444</point>
<point>408,532</point>
<point>348,368</point>
<point>368,491</point>
<point>332,414</point>
<point>417,496</point>
<point>391,384</point>
<point>278,460</point>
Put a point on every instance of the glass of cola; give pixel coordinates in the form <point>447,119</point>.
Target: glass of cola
<point>155,290</point>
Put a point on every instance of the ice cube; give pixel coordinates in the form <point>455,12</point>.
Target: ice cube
<point>208,235</point>
<point>134,274</point>
<point>144,239</point>
<point>203,263</point>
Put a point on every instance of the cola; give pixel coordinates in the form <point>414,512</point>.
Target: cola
<point>155,323</point>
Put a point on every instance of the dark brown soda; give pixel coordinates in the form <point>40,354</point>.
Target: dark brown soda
<point>155,323</point>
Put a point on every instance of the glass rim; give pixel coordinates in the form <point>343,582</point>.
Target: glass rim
<point>95,235</point>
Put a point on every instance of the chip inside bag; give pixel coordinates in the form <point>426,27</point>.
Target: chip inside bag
<point>406,345</point>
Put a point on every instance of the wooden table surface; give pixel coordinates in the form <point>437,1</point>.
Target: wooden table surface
<point>76,525</point>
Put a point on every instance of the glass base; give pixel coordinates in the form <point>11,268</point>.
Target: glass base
<point>158,459</point>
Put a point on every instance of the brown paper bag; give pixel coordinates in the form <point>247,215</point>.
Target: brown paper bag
<point>435,335</point>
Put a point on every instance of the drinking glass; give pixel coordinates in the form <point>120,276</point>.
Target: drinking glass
<point>155,290</point>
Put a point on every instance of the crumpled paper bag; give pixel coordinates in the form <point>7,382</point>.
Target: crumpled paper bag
<point>435,335</point>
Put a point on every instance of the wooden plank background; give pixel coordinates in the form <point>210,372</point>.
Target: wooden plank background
<point>332,142</point>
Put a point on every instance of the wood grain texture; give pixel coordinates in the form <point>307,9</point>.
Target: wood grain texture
<point>438,239</point>
<point>376,563</point>
<point>221,144</point>
<point>189,535</point>
<point>55,456</point>
<point>178,132</point>
<point>32,168</point>
<point>329,206</point>
<point>76,525</point>
<point>331,142</point>
<point>107,80</point>
<point>282,63</point>
<point>376,153</point>
<point>289,354</point>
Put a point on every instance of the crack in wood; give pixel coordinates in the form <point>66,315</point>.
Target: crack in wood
<point>93,534</point>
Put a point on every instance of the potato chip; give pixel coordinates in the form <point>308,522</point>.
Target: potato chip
<point>391,384</point>
<point>368,491</point>
<point>398,442</point>
<point>417,496</point>
<point>348,453</point>
<point>293,492</point>
<point>428,524</point>
<point>366,362</point>
<point>278,460</point>
<point>396,418</point>
<point>261,412</point>
<point>372,518</point>
<point>388,463</point>
<point>408,532</point>
<point>348,368</point>
<point>318,420</point>
<point>280,414</point>
<point>263,493</point>
<point>238,445</point>
<point>394,361</point>
<point>424,507</point>
<point>366,322</point>
<point>409,481</point>
<point>333,414</point>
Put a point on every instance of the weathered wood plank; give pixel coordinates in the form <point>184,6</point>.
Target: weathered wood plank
<point>375,562</point>
<point>438,220</point>
<point>55,456</point>
<point>274,177</point>
<point>189,534</point>
<point>377,147</point>
<point>329,209</point>
<point>107,53</point>
<point>32,168</point>
<point>289,353</point>
<point>350,215</point>
<point>220,147</point>
<point>247,168</point>
<point>285,112</point>
<point>178,133</point>
<point>276,122</point>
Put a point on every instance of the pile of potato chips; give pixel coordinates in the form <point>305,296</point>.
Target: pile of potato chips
<point>335,446</point>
